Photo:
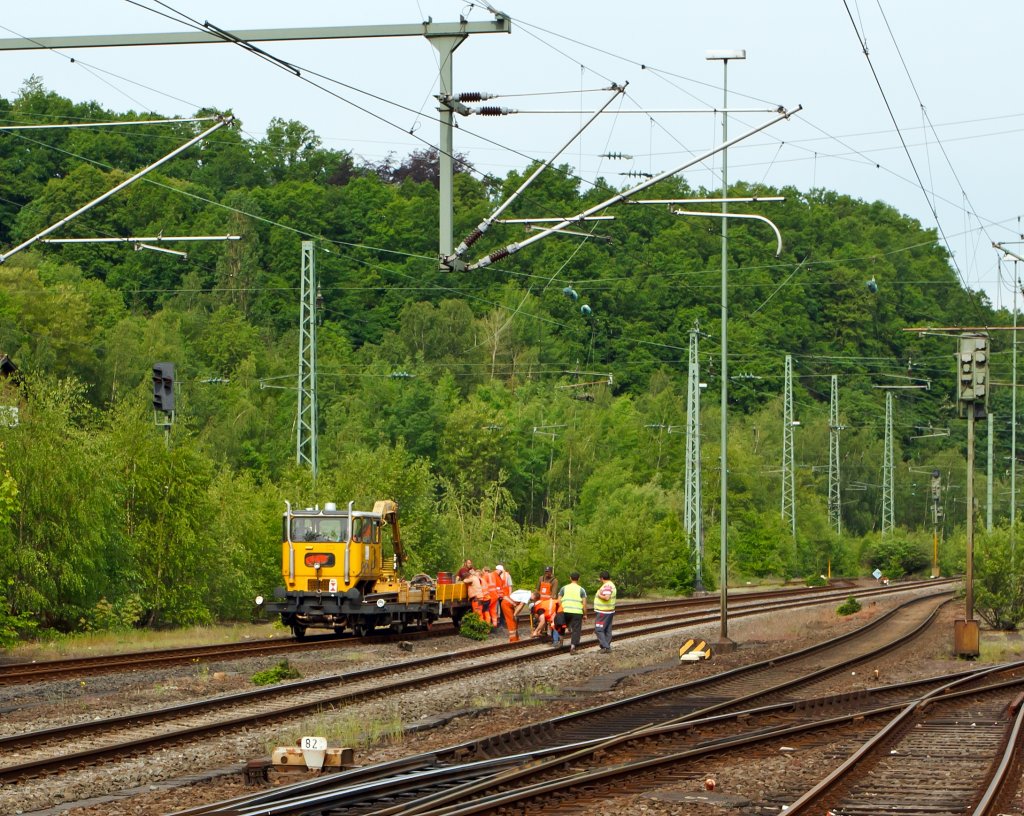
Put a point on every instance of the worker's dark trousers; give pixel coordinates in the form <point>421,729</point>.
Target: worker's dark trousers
<point>603,629</point>
<point>575,624</point>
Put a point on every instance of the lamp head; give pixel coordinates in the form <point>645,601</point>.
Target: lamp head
<point>738,53</point>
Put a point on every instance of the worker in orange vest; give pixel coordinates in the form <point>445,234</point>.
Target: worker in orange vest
<point>504,581</point>
<point>489,579</point>
<point>547,586</point>
<point>512,605</point>
<point>504,610</point>
<point>475,590</point>
<point>548,611</point>
<point>507,608</point>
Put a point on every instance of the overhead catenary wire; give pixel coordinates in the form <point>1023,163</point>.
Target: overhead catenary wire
<point>910,158</point>
<point>118,123</point>
<point>392,251</point>
<point>98,200</point>
<point>165,5</point>
<point>484,225</point>
<point>619,197</point>
<point>95,70</point>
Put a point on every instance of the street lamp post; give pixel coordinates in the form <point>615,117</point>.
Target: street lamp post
<point>725,56</point>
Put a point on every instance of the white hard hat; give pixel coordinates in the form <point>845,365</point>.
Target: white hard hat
<point>499,568</point>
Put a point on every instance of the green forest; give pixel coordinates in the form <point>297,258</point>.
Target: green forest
<point>531,413</point>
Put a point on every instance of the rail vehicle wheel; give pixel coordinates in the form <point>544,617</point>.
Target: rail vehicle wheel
<point>339,631</point>
<point>398,626</point>
<point>362,628</point>
<point>299,631</point>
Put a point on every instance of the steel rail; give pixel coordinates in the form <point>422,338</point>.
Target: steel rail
<point>1008,770</point>
<point>25,672</point>
<point>627,772</point>
<point>471,796</point>
<point>627,629</point>
<point>580,779</point>
<point>544,733</point>
<point>303,792</point>
<point>518,652</point>
<point>902,723</point>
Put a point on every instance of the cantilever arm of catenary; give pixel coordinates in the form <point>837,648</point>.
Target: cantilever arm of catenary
<point>618,197</point>
<point>54,227</point>
<point>778,235</point>
<point>1006,251</point>
<point>451,261</point>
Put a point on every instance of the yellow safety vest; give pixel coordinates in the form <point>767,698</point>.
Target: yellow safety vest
<point>572,599</point>
<point>605,604</point>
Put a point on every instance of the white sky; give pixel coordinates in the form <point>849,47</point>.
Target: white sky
<point>799,52</point>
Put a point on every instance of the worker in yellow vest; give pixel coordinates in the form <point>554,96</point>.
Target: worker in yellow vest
<point>604,611</point>
<point>574,607</point>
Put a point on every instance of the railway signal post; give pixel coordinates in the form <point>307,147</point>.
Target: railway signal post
<point>163,397</point>
<point>972,398</point>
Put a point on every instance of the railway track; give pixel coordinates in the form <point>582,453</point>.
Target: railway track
<point>686,711</point>
<point>956,750</point>
<point>956,757</point>
<point>76,668</point>
<point>29,755</point>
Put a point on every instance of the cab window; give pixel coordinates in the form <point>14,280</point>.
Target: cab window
<point>363,530</point>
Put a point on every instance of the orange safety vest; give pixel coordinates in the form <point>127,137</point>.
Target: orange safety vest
<point>491,585</point>
<point>547,607</point>
<point>545,589</point>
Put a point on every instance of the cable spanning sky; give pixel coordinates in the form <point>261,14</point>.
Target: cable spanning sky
<point>913,103</point>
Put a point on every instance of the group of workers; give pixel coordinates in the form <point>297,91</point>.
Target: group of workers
<point>554,610</point>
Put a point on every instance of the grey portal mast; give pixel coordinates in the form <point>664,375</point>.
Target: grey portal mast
<point>834,497</point>
<point>305,438</point>
<point>692,521</point>
<point>445,37</point>
<point>788,463</point>
<point>888,472</point>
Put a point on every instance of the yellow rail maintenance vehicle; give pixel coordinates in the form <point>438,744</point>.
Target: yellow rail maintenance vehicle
<point>338,575</point>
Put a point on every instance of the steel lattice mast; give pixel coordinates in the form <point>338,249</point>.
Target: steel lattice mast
<point>835,519</point>
<point>305,440</point>
<point>888,472</point>
<point>692,501</point>
<point>788,465</point>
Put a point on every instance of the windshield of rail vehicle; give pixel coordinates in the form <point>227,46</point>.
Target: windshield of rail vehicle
<point>319,528</point>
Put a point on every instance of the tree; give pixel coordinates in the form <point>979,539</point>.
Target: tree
<point>998,580</point>
<point>56,545</point>
<point>899,553</point>
<point>293,152</point>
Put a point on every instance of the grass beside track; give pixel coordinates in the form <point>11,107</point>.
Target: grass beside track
<point>91,644</point>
